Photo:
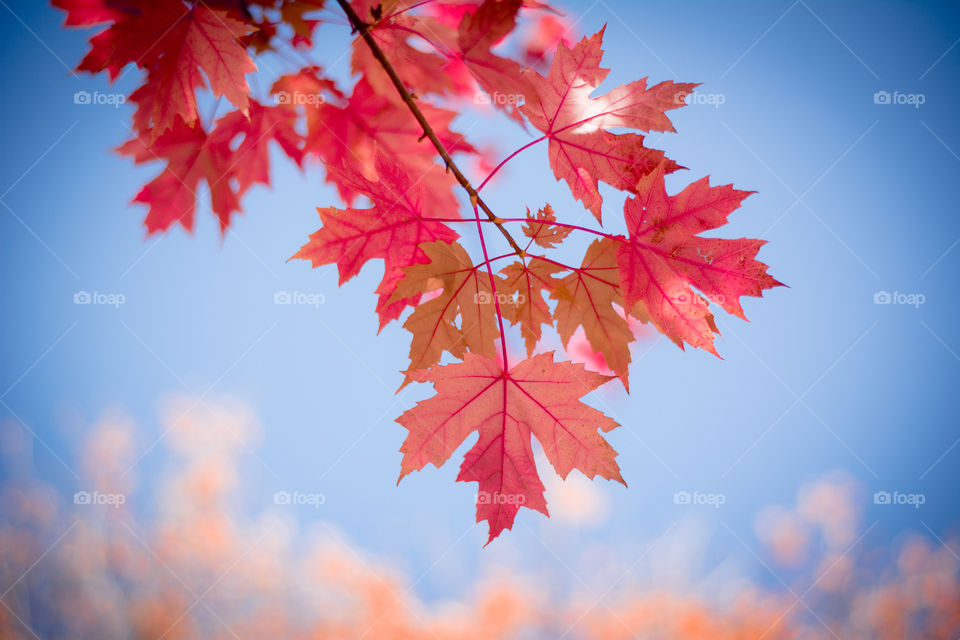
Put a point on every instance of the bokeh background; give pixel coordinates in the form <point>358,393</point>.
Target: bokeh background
<point>842,116</point>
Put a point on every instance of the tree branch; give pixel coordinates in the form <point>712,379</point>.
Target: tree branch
<point>362,28</point>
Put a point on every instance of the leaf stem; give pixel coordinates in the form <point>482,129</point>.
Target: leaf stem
<point>501,257</point>
<point>493,287</point>
<point>508,159</point>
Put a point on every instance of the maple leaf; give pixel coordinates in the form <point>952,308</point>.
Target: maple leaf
<point>544,36</point>
<point>501,78</point>
<point>345,130</point>
<point>466,295</point>
<point>536,397</point>
<point>394,229</point>
<point>524,285</point>
<point>586,298</point>
<point>294,14</point>
<point>665,263</point>
<point>86,13</point>
<point>369,125</point>
<point>579,348</point>
<point>172,196</point>
<point>138,33</point>
<point>392,28</point>
<point>582,150</point>
<point>538,229</point>
<point>203,40</point>
<point>309,92</point>
<point>230,159</point>
<point>451,12</point>
<point>308,81</point>
<point>247,136</point>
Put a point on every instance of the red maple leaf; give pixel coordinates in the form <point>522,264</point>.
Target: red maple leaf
<point>230,159</point>
<point>369,125</point>
<point>536,397</point>
<point>294,13</point>
<point>451,12</point>
<point>582,149</point>
<point>544,35</point>
<point>392,229</point>
<point>524,284</point>
<point>309,92</point>
<point>401,35</point>
<point>201,42</point>
<point>664,264</point>
<point>138,36</point>
<point>86,13</point>
<point>501,78</point>
<point>589,297</point>
<point>540,229</point>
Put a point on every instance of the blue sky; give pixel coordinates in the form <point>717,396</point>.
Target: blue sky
<point>856,196</point>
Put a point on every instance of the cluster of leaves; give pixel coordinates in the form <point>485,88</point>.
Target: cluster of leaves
<point>389,139</point>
